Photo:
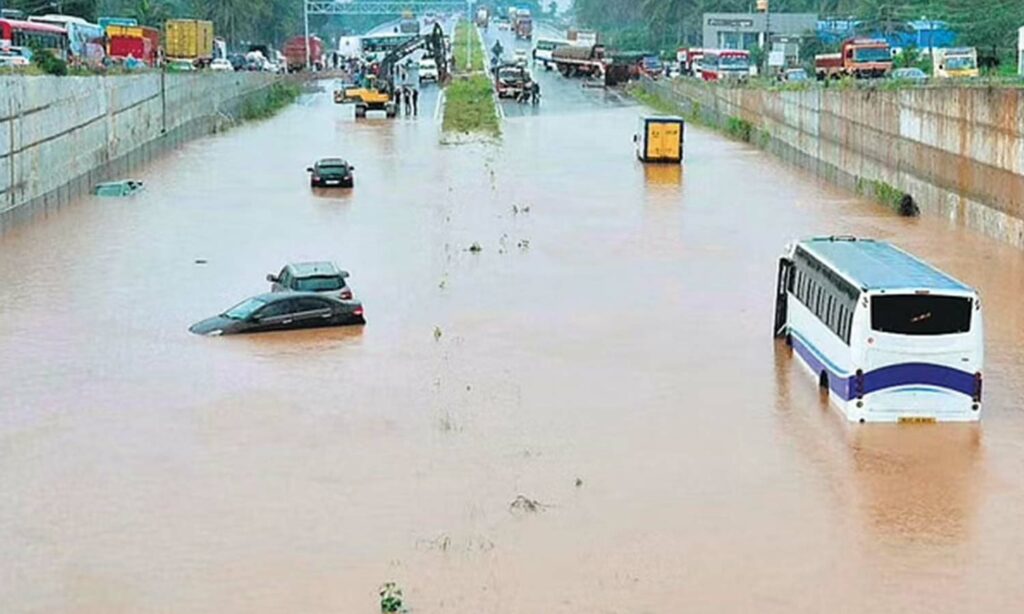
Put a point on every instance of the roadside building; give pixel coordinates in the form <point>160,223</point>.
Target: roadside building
<point>784,31</point>
<point>921,34</point>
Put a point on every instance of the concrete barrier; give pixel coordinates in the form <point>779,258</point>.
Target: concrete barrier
<point>958,151</point>
<point>59,136</point>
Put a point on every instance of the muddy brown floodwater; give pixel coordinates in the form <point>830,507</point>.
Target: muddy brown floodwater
<point>627,346</point>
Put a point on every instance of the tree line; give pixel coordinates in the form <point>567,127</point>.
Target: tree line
<point>662,24</point>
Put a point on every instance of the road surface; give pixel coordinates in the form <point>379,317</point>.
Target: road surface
<point>607,354</point>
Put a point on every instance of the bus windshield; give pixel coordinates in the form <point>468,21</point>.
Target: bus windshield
<point>921,314</point>
<point>734,62</point>
<point>960,63</point>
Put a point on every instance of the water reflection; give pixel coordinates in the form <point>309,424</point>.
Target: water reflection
<point>663,175</point>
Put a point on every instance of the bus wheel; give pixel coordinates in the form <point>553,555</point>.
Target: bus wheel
<point>823,381</point>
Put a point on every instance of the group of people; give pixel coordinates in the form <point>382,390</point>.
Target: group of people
<point>407,98</point>
<point>530,93</point>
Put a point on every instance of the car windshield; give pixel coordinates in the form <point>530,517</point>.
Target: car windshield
<point>510,74</point>
<point>244,309</point>
<point>319,284</point>
<point>909,73</point>
<point>921,314</point>
<point>334,170</point>
<point>872,54</point>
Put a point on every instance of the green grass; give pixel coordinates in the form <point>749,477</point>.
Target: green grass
<point>466,37</point>
<point>280,96</point>
<point>469,106</point>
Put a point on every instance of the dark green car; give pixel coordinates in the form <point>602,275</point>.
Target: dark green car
<point>331,172</point>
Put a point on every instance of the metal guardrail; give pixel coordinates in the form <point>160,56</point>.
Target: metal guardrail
<point>380,7</point>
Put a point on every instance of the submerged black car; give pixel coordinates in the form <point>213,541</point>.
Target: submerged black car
<point>330,172</point>
<point>282,311</point>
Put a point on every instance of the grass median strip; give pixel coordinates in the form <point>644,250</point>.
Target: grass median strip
<point>469,99</point>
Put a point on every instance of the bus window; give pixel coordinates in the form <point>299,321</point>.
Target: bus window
<point>918,314</point>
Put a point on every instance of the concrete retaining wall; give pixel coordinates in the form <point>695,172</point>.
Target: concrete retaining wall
<point>59,136</point>
<point>958,151</point>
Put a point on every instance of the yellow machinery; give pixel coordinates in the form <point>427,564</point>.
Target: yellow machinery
<point>367,99</point>
<point>660,139</point>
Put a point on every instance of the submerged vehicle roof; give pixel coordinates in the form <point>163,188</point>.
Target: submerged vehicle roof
<point>878,265</point>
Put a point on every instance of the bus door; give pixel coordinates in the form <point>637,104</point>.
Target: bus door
<point>781,292</point>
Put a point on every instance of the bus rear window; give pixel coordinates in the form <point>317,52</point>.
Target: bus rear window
<point>921,314</point>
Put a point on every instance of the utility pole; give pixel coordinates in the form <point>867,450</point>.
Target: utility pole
<point>305,20</point>
<point>762,5</point>
<point>472,31</point>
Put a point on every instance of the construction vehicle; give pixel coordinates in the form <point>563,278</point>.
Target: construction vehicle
<point>378,94</point>
<point>859,57</point>
<point>955,63</point>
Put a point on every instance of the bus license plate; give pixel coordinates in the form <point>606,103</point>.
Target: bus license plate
<point>916,419</point>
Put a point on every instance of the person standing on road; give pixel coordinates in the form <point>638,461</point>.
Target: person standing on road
<point>408,100</point>
<point>415,101</point>
<point>399,95</point>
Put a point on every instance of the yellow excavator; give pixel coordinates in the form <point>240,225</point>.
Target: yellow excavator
<point>378,94</point>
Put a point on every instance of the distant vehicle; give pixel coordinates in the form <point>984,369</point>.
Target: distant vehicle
<point>277,311</point>
<point>295,53</point>
<point>350,47</point>
<point>660,139</point>
<point>321,277</point>
<point>222,65</point>
<point>409,24</point>
<point>861,58</point>
<point>181,66</point>
<point>17,35</point>
<point>652,67</point>
<point>889,337</point>
<point>955,63</point>
<point>504,25</point>
<point>237,61</point>
<point>331,172</point>
<point>509,80</point>
<point>190,39</point>
<point>428,70</point>
<point>689,59</point>
<point>724,65</point>
<point>795,75</point>
<point>118,188</point>
<point>542,51</point>
<point>13,60</point>
<point>583,38</point>
<point>915,75</point>
<point>137,42</point>
<point>482,17</point>
<point>523,24</point>
<point>86,41</point>
<point>520,57</point>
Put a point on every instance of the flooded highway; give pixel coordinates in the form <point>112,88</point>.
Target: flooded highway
<point>607,355</point>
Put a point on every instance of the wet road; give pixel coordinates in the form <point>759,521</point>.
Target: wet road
<point>616,333</point>
<point>558,95</point>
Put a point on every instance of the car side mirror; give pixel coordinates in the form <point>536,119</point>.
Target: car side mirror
<point>635,139</point>
<point>271,278</point>
<point>344,274</point>
<point>309,169</point>
<point>351,168</point>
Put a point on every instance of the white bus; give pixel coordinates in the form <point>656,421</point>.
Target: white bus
<point>891,338</point>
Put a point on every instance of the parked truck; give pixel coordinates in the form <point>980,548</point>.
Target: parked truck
<point>573,60</point>
<point>524,24</point>
<point>137,42</point>
<point>190,39</point>
<point>955,63</point>
<point>295,53</point>
<point>861,58</point>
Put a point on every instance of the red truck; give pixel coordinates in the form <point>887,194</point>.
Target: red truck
<point>295,53</point>
<point>138,42</point>
<point>860,58</point>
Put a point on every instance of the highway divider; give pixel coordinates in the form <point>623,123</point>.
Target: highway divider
<point>470,106</point>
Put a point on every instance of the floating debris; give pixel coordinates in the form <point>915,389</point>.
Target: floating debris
<point>437,333</point>
<point>475,248</point>
<point>391,598</point>
<point>579,482</point>
<point>523,503</point>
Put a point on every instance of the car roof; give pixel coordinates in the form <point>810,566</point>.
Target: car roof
<point>313,269</point>
<point>274,297</point>
<point>877,265</point>
<point>332,162</point>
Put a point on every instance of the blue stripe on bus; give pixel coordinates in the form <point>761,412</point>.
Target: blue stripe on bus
<point>885,378</point>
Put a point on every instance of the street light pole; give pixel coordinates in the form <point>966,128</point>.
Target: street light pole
<point>469,46</point>
<point>305,19</point>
